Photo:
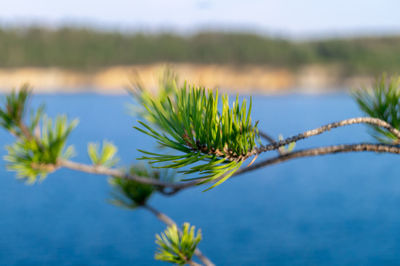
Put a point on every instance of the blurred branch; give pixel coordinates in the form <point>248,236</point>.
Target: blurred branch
<point>101,170</point>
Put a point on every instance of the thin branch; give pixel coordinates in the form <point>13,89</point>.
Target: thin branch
<point>160,216</point>
<point>101,170</point>
<point>359,120</point>
<point>192,263</point>
<point>168,221</point>
<point>361,147</point>
<point>25,131</point>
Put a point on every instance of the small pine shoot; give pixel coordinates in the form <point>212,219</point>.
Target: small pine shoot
<point>175,246</point>
<point>33,157</point>
<point>40,143</point>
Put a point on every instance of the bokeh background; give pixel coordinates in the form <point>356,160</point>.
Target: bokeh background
<point>264,46</point>
<point>299,60</point>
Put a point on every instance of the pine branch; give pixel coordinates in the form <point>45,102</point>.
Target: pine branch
<point>317,151</point>
<point>170,189</point>
<point>187,120</point>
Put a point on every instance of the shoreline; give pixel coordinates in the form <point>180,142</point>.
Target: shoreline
<point>256,79</point>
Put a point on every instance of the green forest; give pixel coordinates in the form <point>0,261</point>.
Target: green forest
<point>88,49</point>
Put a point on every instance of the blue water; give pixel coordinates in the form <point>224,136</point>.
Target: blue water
<point>331,210</point>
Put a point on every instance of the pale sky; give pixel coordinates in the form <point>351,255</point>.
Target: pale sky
<point>287,17</point>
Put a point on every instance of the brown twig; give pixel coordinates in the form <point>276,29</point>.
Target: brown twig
<point>101,170</point>
<point>361,147</point>
<point>359,120</point>
<point>168,221</point>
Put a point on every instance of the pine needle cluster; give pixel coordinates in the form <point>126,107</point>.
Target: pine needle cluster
<point>382,101</point>
<point>40,142</point>
<point>207,134</point>
<point>177,247</point>
<point>131,194</point>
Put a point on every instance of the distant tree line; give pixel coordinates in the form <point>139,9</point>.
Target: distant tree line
<point>88,49</point>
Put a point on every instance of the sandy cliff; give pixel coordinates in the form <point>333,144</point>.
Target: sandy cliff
<point>259,79</point>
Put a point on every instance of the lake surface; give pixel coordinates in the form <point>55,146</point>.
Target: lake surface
<point>332,210</point>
